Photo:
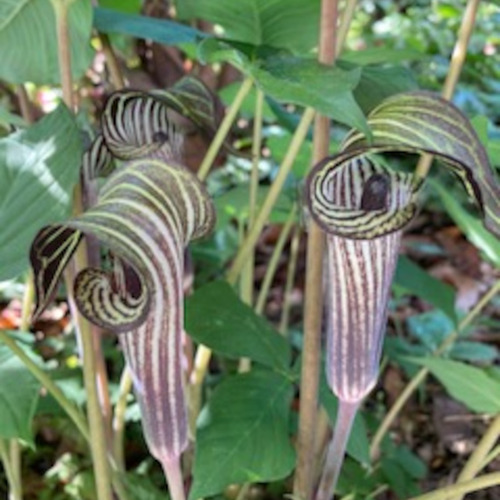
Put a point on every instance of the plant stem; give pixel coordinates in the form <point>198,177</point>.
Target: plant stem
<point>290,278</point>
<point>274,260</point>
<point>173,473</point>
<point>63,48</point>
<point>71,410</point>
<point>272,196</point>
<point>336,451</point>
<point>247,276</point>
<point>24,104</point>
<point>456,65</point>
<point>111,61</point>
<point>420,376</point>
<point>311,352</point>
<point>224,128</point>
<point>84,329</point>
<point>475,461</point>
<point>119,419</point>
<point>345,24</point>
<point>203,353</point>
<point>448,492</point>
<point>15,492</point>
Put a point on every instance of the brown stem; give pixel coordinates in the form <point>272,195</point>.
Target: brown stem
<point>311,354</point>
<point>112,62</point>
<point>456,65</point>
<point>63,48</point>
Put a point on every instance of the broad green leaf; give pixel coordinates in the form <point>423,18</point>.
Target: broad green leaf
<point>242,433</point>
<point>216,317</point>
<point>470,225</point>
<point>247,109</point>
<point>379,82</point>
<point>158,30</point>
<point>293,79</point>
<point>358,446</point>
<point>382,55</point>
<point>306,82</point>
<point>7,119</point>
<point>430,328</point>
<point>465,350</point>
<point>128,6</point>
<point>468,384</point>
<point>28,42</point>
<point>290,24</point>
<point>19,392</point>
<point>411,278</point>
<point>39,167</point>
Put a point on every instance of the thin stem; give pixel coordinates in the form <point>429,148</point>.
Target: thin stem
<point>247,276</point>
<point>475,461</point>
<point>272,196</point>
<point>345,24</point>
<point>203,353</point>
<point>119,419</point>
<point>420,376</point>
<point>311,352</point>
<point>336,451</point>
<point>224,128</point>
<point>448,492</point>
<point>63,48</point>
<point>290,278</point>
<point>243,491</point>
<point>494,453</point>
<point>456,65</point>
<point>70,409</point>
<point>274,260</point>
<point>173,473</point>
<point>112,62</point>
<point>98,442</point>
<point>14,485</point>
<point>24,104</point>
<point>15,460</point>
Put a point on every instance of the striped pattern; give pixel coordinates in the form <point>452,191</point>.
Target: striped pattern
<point>363,207</point>
<point>136,125</point>
<point>50,252</point>
<point>418,122</point>
<point>334,190</point>
<point>360,274</point>
<point>97,160</point>
<point>147,213</point>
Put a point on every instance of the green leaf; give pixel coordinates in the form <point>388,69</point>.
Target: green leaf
<point>464,350</point>
<point>358,446</point>
<point>243,433</point>
<point>19,392</point>
<point>39,167</point>
<point>291,24</point>
<point>216,317</point>
<point>28,42</point>
<point>468,384</point>
<point>128,6</point>
<point>412,279</point>
<point>234,204</point>
<point>158,30</point>
<point>379,82</point>
<point>431,328</point>
<point>470,225</point>
<point>306,82</point>
<point>382,55</point>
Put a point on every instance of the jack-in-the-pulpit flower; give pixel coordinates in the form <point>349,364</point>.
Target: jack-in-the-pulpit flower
<point>363,208</point>
<point>146,214</point>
